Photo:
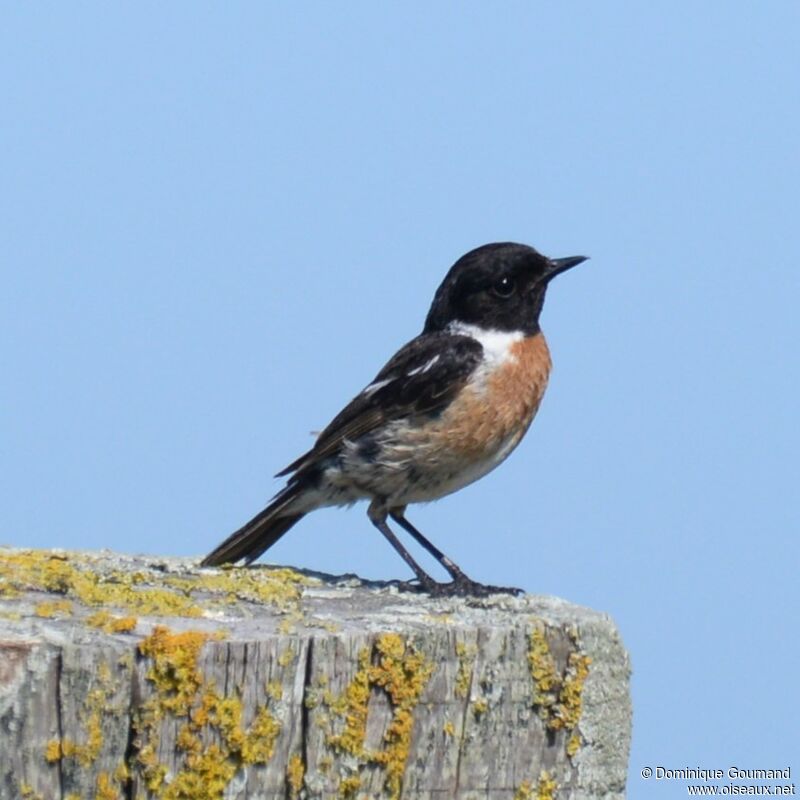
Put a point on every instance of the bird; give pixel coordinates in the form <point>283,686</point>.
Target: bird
<point>447,408</point>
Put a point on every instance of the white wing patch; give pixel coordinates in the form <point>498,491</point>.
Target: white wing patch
<point>373,387</point>
<point>496,349</point>
<point>424,368</point>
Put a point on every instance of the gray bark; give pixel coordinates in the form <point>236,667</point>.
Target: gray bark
<point>262,683</point>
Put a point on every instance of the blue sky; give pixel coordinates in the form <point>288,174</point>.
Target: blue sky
<point>217,223</point>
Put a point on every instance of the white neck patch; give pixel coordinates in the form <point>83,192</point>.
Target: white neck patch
<point>496,344</point>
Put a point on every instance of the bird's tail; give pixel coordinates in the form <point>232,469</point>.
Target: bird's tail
<point>252,539</point>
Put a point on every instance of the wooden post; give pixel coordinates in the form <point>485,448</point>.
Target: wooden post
<point>139,677</point>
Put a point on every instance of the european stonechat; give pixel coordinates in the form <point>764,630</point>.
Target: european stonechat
<point>446,409</point>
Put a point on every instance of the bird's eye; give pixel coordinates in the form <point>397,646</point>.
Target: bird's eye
<point>504,287</point>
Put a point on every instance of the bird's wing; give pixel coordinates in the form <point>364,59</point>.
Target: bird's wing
<point>421,378</point>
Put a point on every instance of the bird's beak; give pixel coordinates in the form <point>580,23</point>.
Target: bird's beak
<point>558,265</point>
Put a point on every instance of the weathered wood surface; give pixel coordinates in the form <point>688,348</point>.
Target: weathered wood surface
<point>137,677</point>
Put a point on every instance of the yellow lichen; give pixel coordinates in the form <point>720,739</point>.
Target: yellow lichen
<point>444,619</point>
<point>105,788</point>
<point>50,608</point>
<point>524,792</point>
<point>174,670</point>
<point>480,706</point>
<point>464,676</point>
<point>214,738</point>
<point>400,671</point>
<point>273,586</point>
<point>286,657</point>
<point>542,668</point>
<point>547,787</point>
<point>290,622</point>
<point>558,696</point>
<point>85,579</point>
<point>75,578</point>
<point>206,775</point>
<point>53,751</point>
<point>353,704</point>
<point>295,773</point>
<point>122,773</point>
<point>349,786</point>
<point>259,743</point>
<point>182,694</point>
<point>111,624</point>
<point>570,698</point>
<point>96,704</point>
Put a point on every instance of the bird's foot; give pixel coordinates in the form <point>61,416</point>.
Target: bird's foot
<point>465,587</point>
<point>461,586</point>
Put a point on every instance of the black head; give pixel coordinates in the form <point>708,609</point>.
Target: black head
<point>497,286</point>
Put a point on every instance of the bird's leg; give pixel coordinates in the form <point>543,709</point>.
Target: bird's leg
<point>377,514</point>
<point>462,585</point>
<point>398,515</point>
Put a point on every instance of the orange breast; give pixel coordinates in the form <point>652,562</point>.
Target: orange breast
<point>495,412</point>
